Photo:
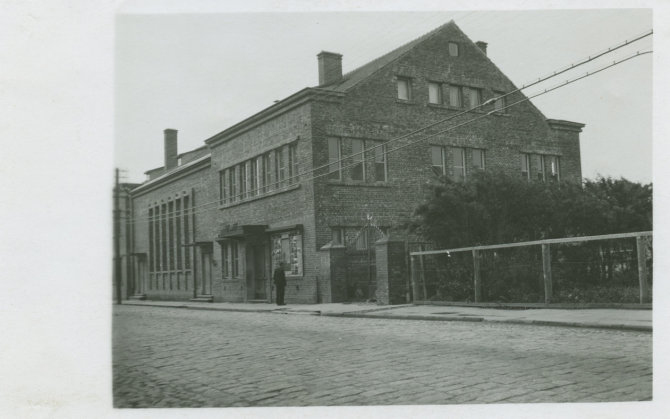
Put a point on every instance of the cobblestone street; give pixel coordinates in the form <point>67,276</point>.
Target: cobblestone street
<point>166,357</point>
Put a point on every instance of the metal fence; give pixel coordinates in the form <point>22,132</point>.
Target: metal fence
<point>612,268</point>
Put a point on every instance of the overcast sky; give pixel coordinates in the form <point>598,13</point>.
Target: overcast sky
<point>201,73</point>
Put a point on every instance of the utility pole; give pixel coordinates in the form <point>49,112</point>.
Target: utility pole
<point>117,231</point>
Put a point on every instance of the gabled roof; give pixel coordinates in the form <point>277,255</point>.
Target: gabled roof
<point>361,73</point>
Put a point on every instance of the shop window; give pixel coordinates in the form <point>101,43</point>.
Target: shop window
<point>287,248</point>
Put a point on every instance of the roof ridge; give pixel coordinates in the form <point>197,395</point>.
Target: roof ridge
<point>405,45</point>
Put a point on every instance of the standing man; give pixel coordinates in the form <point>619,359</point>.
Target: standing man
<point>279,278</point>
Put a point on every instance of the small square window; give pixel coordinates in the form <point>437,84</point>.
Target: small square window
<point>434,93</point>
<point>404,92</point>
<point>453,49</point>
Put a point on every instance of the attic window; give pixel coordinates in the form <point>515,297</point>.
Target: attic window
<point>404,92</point>
<point>453,49</point>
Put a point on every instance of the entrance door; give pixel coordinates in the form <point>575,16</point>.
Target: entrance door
<point>260,274</point>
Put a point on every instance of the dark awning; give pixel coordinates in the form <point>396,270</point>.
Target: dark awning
<point>241,231</point>
<point>284,228</point>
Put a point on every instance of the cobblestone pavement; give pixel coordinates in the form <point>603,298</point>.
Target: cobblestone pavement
<point>167,357</point>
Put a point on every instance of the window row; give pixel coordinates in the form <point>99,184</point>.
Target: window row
<point>457,162</point>
<point>169,231</point>
<point>364,160</point>
<point>273,170</point>
<point>453,95</point>
<point>542,167</point>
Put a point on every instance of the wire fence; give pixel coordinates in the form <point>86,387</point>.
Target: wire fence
<point>598,269</point>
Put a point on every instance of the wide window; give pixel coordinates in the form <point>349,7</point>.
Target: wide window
<point>287,248</point>
<point>540,167</point>
<point>334,162</point>
<point>434,93</point>
<point>458,163</point>
<point>404,89</point>
<point>358,168</point>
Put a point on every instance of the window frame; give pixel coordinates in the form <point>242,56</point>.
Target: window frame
<point>380,154</point>
<point>358,160</point>
<point>440,170</point>
<point>334,161</point>
<point>481,166</point>
<point>476,93</point>
<point>463,175</point>
<point>454,49</point>
<point>408,88</point>
<point>438,87</point>
<point>459,96</point>
<point>500,102</point>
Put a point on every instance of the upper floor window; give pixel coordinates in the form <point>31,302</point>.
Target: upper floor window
<point>478,159</point>
<point>358,168</point>
<point>500,102</point>
<point>334,160</point>
<point>453,49</point>
<point>280,167</point>
<point>404,88</point>
<point>243,180</point>
<point>381,170</point>
<point>474,96</point>
<point>455,96</point>
<point>293,163</point>
<point>437,160</point>
<point>540,167</point>
<point>434,93</point>
<point>458,163</point>
<point>266,173</point>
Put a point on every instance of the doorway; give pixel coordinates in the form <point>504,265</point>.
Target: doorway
<point>259,276</point>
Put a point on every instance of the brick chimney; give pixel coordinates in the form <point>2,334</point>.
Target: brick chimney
<point>330,67</point>
<point>482,46</point>
<point>170,147</point>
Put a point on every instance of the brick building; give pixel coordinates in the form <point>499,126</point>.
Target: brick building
<point>325,178</point>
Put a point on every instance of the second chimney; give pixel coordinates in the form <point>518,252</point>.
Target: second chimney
<point>330,67</point>
<point>170,147</point>
<point>482,46</point>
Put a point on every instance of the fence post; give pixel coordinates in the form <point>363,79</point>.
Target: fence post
<point>478,279</point>
<point>546,272</point>
<point>423,274</point>
<point>642,268</point>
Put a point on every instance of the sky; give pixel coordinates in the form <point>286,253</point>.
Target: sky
<point>200,73</point>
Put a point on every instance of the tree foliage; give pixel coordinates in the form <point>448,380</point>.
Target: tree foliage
<point>495,208</point>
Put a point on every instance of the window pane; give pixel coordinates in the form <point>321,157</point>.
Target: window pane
<point>233,185</point>
<point>380,163</point>
<point>334,158</point>
<point>455,96</point>
<point>475,97</point>
<point>537,165</point>
<point>243,180</point>
<point>434,93</point>
<point>458,163</point>
<point>357,170</point>
<point>552,168</point>
<point>477,159</point>
<point>499,104</point>
<point>403,89</point>
<point>437,160</point>
<point>453,49</point>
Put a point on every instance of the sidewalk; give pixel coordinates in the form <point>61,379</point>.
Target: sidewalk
<point>621,319</point>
